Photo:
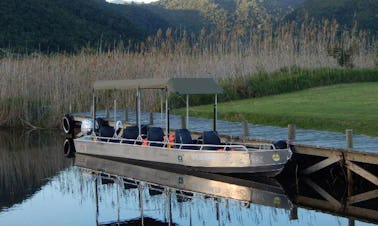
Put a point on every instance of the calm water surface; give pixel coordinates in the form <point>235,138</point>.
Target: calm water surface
<point>39,186</point>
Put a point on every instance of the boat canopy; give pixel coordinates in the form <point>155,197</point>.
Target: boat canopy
<point>173,85</point>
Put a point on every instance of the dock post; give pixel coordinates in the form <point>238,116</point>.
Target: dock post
<point>294,213</point>
<point>106,113</point>
<point>70,108</point>
<point>349,138</point>
<point>151,118</point>
<point>291,133</point>
<point>245,128</point>
<point>126,114</point>
<point>183,122</point>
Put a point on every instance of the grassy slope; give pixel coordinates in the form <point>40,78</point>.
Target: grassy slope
<point>333,108</point>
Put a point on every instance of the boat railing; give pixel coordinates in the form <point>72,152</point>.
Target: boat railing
<point>195,146</point>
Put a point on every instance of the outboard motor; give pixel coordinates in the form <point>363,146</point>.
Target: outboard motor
<point>87,126</point>
<point>280,144</point>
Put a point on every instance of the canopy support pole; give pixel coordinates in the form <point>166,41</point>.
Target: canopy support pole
<point>166,113</point>
<point>187,111</point>
<point>161,107</point>
<point>215,118</point>
<point>115,117</point>
<point>94,111</point>
<point>138,113</point>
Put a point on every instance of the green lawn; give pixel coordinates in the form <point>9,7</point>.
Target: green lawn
<point>333,108</point>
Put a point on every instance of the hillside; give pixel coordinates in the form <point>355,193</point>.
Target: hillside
<point>60,25</point>
<point>364,12</point>
<point>69,26</point>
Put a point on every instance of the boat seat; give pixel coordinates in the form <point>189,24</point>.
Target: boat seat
<point>130,132</point>
<point>106,131</point>
<point>155,134</point>
<point>183,136</point>
<point>211,137</point>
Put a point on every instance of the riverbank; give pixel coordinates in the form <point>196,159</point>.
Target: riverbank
<point>330,108</point>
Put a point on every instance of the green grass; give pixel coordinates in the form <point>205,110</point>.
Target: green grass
<point>332,108</point>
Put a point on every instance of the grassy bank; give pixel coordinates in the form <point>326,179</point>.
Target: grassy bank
<point>286,80</point>
<point>332,108</point>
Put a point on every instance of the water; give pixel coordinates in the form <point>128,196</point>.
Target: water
<point>41,187</point>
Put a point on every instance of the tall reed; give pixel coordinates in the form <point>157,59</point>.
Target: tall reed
<point>37,90</point>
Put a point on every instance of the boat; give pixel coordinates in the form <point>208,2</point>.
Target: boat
<point>178,148</point>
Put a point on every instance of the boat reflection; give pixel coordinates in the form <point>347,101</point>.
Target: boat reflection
<point>182,187</point>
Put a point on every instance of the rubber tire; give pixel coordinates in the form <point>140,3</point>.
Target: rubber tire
<point>69,147</point>
<point>68,124</point>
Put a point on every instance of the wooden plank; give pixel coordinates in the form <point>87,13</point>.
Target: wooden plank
<point>349,211</point>
<point>316,151</point>
<point>362,197</point>
<point>320,165</point>
<point>359,212</point>
<point>315,203</point>
<point>362,172</point>
<point>370,158</point>
<point>324,194</point>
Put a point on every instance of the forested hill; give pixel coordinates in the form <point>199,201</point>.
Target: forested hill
<point>345,12</point>
<point>227,14</point>
<point>69,26</point>
<point>61,25</point>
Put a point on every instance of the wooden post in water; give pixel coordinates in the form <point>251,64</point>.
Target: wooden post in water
<point>294,213</point>
<point>183,122</point>
<point>349,144</point>
<point>245,128</point>
<point>291,133</point>
<point>349,138</point>
<point>126,114</point>
<point>106,113</point>
<point>70,108</point>
<point>151,118</point>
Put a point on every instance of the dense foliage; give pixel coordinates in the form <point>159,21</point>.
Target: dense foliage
<point>345,12</point>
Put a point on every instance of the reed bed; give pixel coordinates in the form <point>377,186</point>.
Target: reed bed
<point>37,90</point>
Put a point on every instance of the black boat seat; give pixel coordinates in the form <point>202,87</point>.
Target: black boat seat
<point>155,134</point>
<point>130,132</point>
<point>106,131</point>
<point>183,136</point>
<point>211,137</point>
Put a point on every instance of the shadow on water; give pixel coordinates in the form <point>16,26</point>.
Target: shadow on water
<point>27,160</point>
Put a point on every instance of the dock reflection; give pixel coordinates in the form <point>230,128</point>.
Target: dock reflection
<point>178,188</point>
<point>360,204</point>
